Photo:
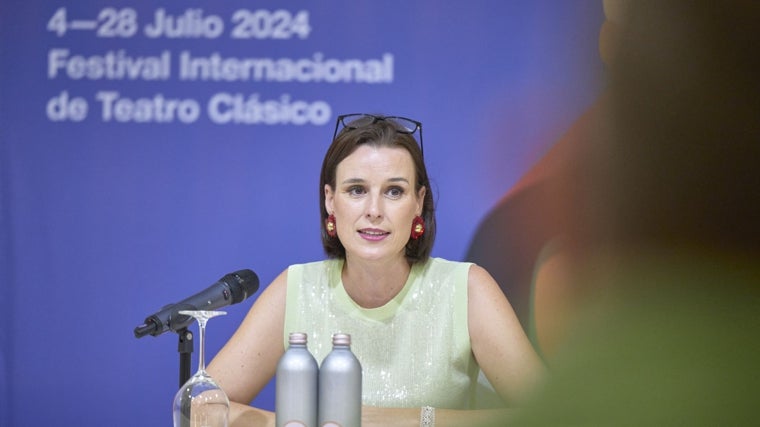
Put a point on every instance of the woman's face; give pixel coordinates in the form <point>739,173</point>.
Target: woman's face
<point>374,202</point>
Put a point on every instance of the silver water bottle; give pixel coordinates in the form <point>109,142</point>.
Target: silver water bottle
<point>340,386</point>
<point>296,385</point>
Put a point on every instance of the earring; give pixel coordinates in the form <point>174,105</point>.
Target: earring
<point>330,226</point>
<point>418,227</point>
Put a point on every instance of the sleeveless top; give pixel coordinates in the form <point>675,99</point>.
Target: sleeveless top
<point>414,351</point>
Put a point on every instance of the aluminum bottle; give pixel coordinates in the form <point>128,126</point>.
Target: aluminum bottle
<point>340,386</point>
<point>296,385</point>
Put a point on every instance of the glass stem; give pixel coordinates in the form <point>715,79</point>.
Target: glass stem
<point>202,344</point>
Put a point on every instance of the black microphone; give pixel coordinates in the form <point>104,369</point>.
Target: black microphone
<point>230,289</point>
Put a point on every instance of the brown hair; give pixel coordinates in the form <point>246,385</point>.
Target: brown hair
<point>381,133</point>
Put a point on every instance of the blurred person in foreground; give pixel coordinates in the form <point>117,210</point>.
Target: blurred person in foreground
<point>662,240</point>
<point>518,239</point>
<point>422,327</point>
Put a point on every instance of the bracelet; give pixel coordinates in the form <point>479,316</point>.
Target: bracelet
<point>427,416</point>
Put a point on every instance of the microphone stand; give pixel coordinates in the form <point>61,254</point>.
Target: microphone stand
<point>185,349</point>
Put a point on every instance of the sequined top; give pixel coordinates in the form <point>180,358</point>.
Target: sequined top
<point>414,350</point>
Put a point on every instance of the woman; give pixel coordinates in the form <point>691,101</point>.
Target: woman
<point>421,326</point>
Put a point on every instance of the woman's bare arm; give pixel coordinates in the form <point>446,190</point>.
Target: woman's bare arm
<point>499,343</point>
<point>248,361</point>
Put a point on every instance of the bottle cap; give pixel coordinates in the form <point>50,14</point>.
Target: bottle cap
<point>297,338</point>
<point>341,339</point>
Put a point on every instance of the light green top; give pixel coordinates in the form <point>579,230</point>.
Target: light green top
<point>414,350</point>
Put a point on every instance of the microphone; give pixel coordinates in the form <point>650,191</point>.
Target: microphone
<point>230,289</point>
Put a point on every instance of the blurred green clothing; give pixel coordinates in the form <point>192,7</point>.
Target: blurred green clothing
<point>673,343</point>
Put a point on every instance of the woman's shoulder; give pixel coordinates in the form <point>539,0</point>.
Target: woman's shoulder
<point>444,267</point>
<point>474,272</point>
<point>314,271</point>
<point>436,262</point>
<point>312,265</point>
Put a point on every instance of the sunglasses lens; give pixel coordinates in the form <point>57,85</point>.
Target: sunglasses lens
<point>354,121</point>
<point>402,124</point>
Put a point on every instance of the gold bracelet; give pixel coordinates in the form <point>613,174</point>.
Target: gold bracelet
<point>427,416</point>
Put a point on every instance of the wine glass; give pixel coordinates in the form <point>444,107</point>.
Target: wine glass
<point>200,402</point>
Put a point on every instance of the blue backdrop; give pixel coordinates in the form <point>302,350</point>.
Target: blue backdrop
<point>148,148</point>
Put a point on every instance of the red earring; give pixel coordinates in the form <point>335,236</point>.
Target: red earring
<point>330,226</point>
<point>418,227</point>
